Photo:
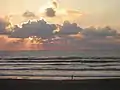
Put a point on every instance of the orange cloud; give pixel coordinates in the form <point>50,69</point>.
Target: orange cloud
<point>18,44</point>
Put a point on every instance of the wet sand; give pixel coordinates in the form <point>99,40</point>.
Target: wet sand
<point>91,84</point>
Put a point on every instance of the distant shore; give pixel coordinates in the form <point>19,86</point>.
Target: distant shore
<point>88,84</point>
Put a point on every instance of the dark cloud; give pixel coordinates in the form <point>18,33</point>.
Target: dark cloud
<point>3,26</point>
<point>55,4</point>
<point>69,28</point>
<point>39,28</point>
<point>50,12</point>
<point>97,39</point>
<point>28,14</point>
<point>93,39</point>
<point>92,32</point>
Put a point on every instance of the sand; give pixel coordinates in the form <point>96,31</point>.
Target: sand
<point>90,84</point>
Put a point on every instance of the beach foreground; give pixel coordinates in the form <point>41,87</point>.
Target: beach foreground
<point>91,84</point>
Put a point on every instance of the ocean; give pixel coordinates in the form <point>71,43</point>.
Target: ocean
<point>59,64</point>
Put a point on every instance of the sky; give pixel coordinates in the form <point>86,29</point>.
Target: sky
<point>60,25</point>
<point>96,12</point>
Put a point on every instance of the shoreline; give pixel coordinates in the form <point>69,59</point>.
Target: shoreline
<point>56,78</point>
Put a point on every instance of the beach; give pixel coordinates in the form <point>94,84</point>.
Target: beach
<point>86,84</point>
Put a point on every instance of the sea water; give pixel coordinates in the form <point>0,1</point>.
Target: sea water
<point>59,64</point>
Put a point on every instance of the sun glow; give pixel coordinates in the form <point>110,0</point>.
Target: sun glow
<point>35,40</point>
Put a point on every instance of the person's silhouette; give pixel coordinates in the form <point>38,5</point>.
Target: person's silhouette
<point>72,77</point>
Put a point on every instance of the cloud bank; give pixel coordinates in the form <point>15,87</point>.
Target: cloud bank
<point>41,35</point>
<point>39,28</point>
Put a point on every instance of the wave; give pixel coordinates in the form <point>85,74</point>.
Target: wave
<point>55,57</point>
<point>64,65</point>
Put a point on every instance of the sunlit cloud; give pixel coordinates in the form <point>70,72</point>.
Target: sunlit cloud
<point>41,35</point>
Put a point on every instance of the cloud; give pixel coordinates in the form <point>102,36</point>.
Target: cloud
<point>8,43</point>
<point>28,14</point>
<point>38,28</point>
<point>41,28</point>
<point>97,39</point>
<point>17,44</point>
<point>87,39</point>
<point>50,12</point>
<point>74,12</point>
<point>62,13</point>
<point>52,9</point>
<point>69,28</point>
<point>70,36</point>
<point>3,26</point>
<point>55,4</point>
<point>92,32</point>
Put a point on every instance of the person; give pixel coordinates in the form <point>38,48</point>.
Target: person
<point>72,77</point>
